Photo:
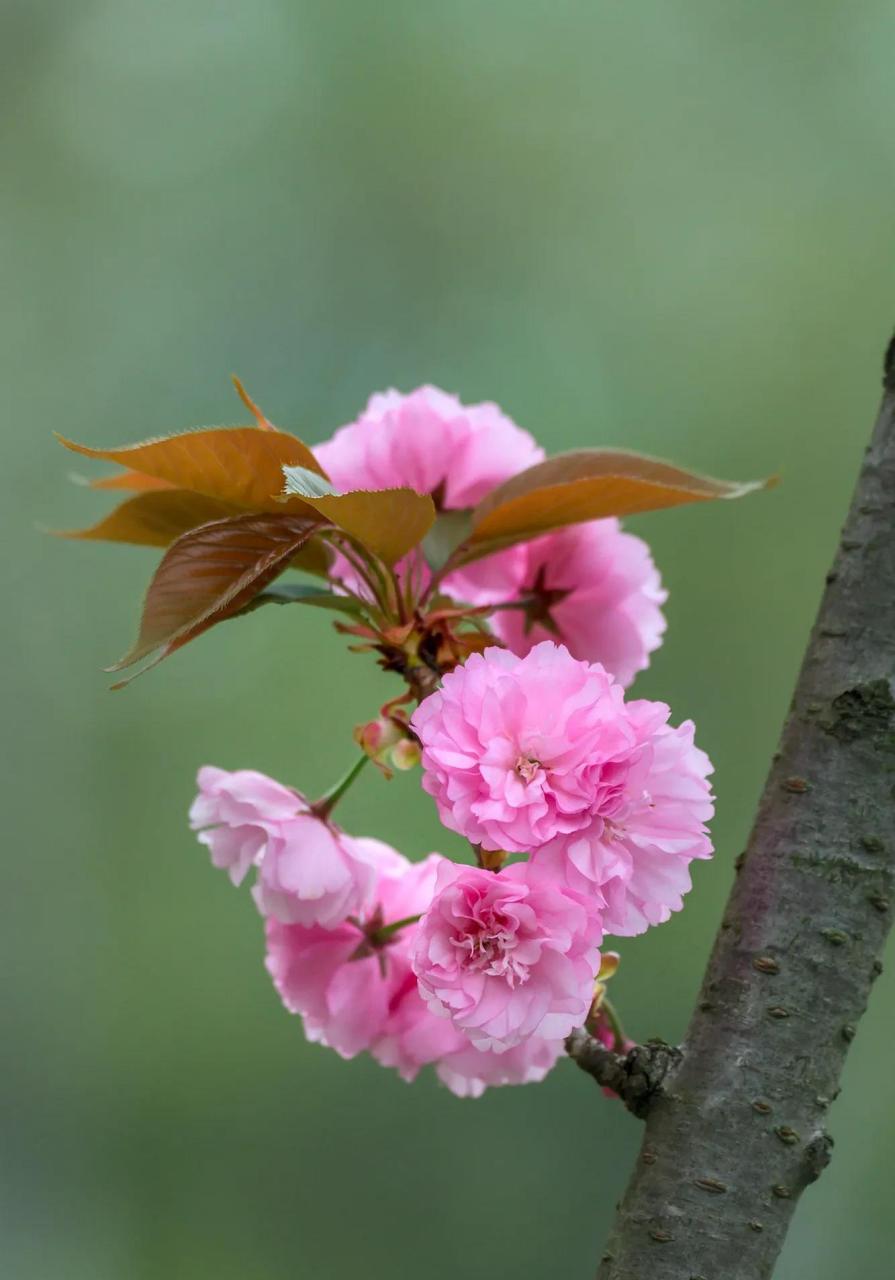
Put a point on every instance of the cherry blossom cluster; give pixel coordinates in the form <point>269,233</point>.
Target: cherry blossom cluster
<point>583,809</point>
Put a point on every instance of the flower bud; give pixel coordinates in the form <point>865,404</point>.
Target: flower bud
<point>405,754</point>
<point>377,737</point>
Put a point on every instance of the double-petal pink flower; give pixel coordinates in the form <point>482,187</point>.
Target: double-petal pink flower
<point>542,755</point>
<point>517,751</point>
<point>595,589</point>
<point>507,956</point>
<point>309,871</point>
<point>343,982</point>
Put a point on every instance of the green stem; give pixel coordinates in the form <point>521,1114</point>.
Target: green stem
<point>607,1009</point>
<point>323,807</point>
<point>438,577</point>
<point>523,602</point>
<point>364,570</point>
<point>388,930</point>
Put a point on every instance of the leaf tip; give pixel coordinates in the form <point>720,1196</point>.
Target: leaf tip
<point>754,486</point>
<point>133,656</point>
<point>263,423</point>
<point>303,483</point>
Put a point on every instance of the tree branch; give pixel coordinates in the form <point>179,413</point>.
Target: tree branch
<point>736,1131</point>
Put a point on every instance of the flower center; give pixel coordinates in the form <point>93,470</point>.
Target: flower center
<point>490,948</point>
<point>526,768</point>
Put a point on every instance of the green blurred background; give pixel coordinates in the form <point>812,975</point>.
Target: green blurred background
<point>666,225</point>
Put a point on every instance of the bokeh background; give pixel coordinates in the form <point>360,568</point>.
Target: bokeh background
<point>665,225</point>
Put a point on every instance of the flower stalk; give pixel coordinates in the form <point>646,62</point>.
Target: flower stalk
<point>323,807</point>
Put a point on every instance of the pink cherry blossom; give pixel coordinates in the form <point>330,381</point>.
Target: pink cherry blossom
<point>312,873</point>
<point>413,1037</point>
<point>594,588</point>
<point>309,870</point>
<point>238,811</point>
<point>542,754</point>
<point>469,1071</point>
<point>344,1002</point>
<point>507,956</point>
<point>517,751</point>
<point>429,441</point>
<point>637,856</point>
<point>356,997</point>
<point>342,981</point>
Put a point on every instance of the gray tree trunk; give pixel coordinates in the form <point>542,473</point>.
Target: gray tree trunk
<point>735,1120</point>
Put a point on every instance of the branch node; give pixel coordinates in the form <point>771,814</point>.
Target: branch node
<point>637,1077</point>
<point>864,711</point>
<point>818,1154</point>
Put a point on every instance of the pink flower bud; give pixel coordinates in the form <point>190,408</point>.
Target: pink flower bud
<point>377,737</point>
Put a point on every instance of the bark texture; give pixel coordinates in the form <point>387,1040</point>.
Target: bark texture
<point>735,1130</point>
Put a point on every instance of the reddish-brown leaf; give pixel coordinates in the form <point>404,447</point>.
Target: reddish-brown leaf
<point>388,522</point>
<point>240,465</point>
<point>587,484</point>
<point>132,481</point>
<point>155,518</point>
<point>209,574</point>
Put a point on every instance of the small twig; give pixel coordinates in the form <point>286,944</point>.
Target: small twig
<point>637,1076</point>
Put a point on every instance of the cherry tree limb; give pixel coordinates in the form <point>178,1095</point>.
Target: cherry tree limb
<point>735,1120</point>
